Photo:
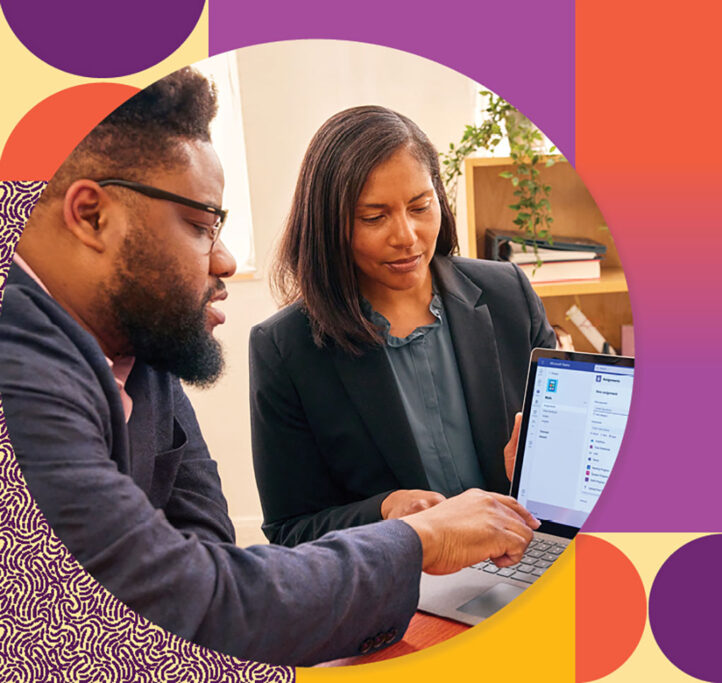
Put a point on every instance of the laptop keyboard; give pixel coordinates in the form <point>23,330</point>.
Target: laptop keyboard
<point>537,559</point>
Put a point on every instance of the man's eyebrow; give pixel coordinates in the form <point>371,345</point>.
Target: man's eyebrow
<point>383,206</point>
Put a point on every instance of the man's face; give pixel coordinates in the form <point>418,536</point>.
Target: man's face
<point>166,277</point>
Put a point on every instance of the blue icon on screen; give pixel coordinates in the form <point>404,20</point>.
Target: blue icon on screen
<point>552,385</point>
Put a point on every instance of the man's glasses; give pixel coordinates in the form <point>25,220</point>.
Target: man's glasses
<point>213,230</point>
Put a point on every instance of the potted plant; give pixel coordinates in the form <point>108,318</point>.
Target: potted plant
<point>526,145</point>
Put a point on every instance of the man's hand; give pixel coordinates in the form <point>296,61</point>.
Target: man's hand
<point>472,527</point>
<point>407,501</point>
<point>510,448</point>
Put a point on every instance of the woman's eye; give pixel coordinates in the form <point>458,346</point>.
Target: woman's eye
<point>421,209</point>
<point>372,219</point>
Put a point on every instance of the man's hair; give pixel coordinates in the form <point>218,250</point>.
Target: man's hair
<point>314,262</point>
<point>143,133</point>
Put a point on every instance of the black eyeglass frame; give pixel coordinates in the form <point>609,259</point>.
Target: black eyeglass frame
<point>156,193</point>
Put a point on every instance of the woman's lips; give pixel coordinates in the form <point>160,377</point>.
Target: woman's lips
<point>405,265</point>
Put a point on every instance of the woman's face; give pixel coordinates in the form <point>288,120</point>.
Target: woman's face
<point>396,223</point>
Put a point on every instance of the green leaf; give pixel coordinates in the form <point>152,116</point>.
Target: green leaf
<point>515,181</point>
<point>550,162</point>
<point>506,174</point>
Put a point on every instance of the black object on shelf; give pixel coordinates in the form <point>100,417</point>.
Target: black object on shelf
<point>497,244</point>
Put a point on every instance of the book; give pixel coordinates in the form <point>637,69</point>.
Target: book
<point>516,254</point>
<point>562,271</point>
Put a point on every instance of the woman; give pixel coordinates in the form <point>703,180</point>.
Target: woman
<point>392,377</point>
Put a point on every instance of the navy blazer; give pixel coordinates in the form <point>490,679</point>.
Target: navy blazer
<point>330,435</point>
<point>140,506</point>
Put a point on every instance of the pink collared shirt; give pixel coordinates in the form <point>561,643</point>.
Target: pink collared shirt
<point>120,368</point>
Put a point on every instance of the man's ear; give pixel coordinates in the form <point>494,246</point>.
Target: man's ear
<point>85,211</point>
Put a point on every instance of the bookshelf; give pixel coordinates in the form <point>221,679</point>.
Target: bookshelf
<point>606,301</point>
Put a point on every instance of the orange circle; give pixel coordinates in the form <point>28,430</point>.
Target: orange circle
<point>45,136</point>
<point>611,608</point>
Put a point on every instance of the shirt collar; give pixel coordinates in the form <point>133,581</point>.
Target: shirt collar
<point>120,368</point>
<point>435,306</point>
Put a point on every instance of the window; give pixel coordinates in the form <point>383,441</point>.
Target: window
<point>227,134</point>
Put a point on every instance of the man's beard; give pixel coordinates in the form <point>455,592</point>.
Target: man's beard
<point>160,318</point>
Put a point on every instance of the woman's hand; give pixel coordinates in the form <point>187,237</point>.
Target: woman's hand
<point>510,448</point>
<point>407,501</point>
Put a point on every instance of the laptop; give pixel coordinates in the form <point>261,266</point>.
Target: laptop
<point>575,411</point>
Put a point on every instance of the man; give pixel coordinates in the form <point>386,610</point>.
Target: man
<point>110,301</point>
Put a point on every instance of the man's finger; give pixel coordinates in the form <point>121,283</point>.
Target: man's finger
<point>515,545</point>
<point>517,507</point>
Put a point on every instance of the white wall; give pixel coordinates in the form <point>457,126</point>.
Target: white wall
<point>287,91</point>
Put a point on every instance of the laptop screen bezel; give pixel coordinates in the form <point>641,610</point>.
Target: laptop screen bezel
<point>548,526</point>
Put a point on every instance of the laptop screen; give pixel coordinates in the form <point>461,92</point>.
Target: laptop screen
<point>575,412</point>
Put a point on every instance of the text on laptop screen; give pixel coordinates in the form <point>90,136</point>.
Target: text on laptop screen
<point>578,415</point>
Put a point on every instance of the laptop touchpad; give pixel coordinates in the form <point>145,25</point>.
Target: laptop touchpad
<point>491,601</point>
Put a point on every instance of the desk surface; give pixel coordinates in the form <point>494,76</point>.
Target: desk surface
<point>424,631</point>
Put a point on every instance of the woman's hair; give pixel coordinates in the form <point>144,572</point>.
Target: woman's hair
<point>314,262</point>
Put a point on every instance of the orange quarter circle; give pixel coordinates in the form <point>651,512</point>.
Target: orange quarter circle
<point>45,136</point>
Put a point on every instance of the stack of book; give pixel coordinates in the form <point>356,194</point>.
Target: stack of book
<point>563,259</point>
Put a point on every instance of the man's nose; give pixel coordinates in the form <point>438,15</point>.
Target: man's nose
<point>222,263</point>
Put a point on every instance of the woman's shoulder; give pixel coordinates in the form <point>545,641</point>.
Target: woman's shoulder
<point>288,329</point>
<point>288,319</point>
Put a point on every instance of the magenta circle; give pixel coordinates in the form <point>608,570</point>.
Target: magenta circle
<point>120,39</point>
<point>685,604</point>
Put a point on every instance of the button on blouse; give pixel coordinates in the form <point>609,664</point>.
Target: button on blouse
<point>427,375</point>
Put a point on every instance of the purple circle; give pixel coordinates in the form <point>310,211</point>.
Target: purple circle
<point>685,605</point>
<point>102,40</point>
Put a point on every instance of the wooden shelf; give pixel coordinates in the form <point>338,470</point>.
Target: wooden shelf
<point>612,280</point>
<point>605,301</point>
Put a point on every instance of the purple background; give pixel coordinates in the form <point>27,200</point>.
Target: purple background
<point>523,50</point>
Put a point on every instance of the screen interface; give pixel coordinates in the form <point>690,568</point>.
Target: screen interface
<point>576,423</point>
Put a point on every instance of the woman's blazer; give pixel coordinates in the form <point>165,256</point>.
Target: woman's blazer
<point>330,436</point>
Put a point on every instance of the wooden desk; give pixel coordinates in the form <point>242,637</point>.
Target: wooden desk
<point>424,631</point>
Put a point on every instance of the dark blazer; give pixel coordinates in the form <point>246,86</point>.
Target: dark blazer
<point>330,435</point>
<point>140,506</point>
